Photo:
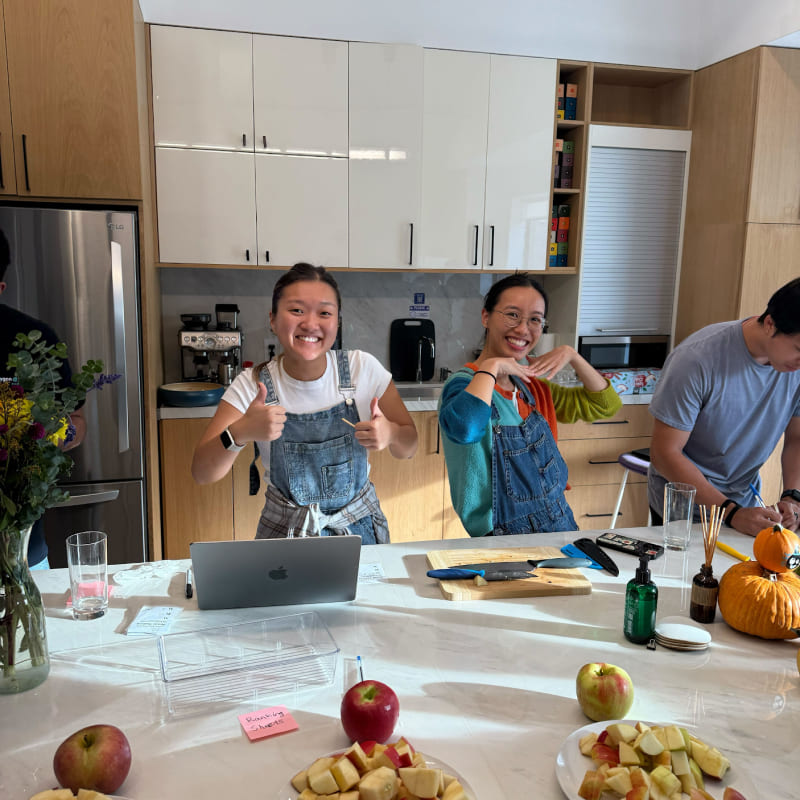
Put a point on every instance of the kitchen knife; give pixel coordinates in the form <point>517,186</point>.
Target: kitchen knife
<point>454,573</point>
<point>547,563</point>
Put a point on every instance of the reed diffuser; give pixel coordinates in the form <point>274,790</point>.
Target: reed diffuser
<point>703,604</point>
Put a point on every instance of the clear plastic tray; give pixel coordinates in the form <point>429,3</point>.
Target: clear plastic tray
<point>256,661</point>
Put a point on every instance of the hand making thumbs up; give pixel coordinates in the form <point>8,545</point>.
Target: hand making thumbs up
<point>377,433</point>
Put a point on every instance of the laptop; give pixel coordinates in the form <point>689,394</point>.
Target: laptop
<point>275,572</point>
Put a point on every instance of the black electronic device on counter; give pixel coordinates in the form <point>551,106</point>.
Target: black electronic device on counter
<point>412,349</point>
<point>625,544</point>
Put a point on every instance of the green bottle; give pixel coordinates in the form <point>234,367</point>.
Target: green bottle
<point>641,599</point>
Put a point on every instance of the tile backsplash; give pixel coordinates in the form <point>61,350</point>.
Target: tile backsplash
<point>370,301</point>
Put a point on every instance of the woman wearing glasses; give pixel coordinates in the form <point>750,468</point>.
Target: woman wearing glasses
<point>499,414</point>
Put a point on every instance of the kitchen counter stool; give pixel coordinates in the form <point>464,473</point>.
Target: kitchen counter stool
<point>637,461</point>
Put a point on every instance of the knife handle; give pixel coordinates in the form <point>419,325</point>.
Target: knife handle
<point>453,573</point>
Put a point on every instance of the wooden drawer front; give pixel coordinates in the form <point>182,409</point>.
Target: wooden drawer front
<point>593,506</point>
<point>592,461</point>
<point>629,421</point>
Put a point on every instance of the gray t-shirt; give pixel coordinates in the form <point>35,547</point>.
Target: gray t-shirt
<point>735,408</point>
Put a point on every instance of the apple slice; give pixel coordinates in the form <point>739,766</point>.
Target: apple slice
<point>349,795</point>
<point>320,765</point>
<point>700,794</point>
<point>388,758</point>
<point>732,794</point>
<point>345,773</point>
<point>586,743</point>
<point>405,752</point>
<point>592,786</point>
<point>422,781</point>
<point>380,784</point>
<point>322,782</point>
<point>628,756</point>
<point>91,794</point>
<point>649,744</point>
<point>307,794</point>
<point>602,752</point>
<point>665,780</point>
<point>299,781</point>
<point>358,758</point>
<point>620,782</point>
<point>454,791</point>
<point>54,794</point>
<point>638,793</point>
<point>621,732</point>
<point>680,763</point>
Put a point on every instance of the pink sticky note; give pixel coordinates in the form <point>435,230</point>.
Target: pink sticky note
<point>267,722</point>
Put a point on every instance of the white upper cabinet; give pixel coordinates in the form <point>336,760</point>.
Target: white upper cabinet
<point>456,108</point>
<point>385,151</point>
<point>202,88</point>
<point>206,206</point>
<point>519,162</point>
<point>300,100</point>
<point>301,210</point>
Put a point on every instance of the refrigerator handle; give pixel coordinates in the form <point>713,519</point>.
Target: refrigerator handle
<point>119,345</point>
<point>90,499</point>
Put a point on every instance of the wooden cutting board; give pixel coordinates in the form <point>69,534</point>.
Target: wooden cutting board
<point>549,582</point>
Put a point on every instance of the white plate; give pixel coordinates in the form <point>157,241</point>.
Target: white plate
<point>571,764</point>
<point>290,793</point>
<point>678,629</point>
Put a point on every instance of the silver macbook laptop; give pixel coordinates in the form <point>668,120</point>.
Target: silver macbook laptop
<point>275,572</point>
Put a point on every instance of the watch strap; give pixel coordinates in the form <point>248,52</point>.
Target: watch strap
<point>228,442</point>
<point>794,494</point>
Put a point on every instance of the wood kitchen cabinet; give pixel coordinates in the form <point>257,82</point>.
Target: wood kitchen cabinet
<point>485,161</point>
<point>414,493</point>
<point>73,100</point>
<point>591,451</point>
<point>192,513</point>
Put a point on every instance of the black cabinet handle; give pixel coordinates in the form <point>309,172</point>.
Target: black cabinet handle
<point>411,244</point>
<point>491,246</point>
<point>244,140</point>
<point>609,514</point>
<point>247,254</point>
<point>438,437</point>
<point>266,255</point>
<point>265,142</point>
<point>475,259</point>
<point>25,161</point>
<point>613,422</point>
<point>2,182</point>
<point>615,461</point>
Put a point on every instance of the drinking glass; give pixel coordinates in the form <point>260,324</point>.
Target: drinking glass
<point>88,573</point>
<point>678,512</point>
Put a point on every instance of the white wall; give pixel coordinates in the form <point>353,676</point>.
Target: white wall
<point>685,34</point>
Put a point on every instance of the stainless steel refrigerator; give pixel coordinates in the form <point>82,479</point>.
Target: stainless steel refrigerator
<point>77,270</point>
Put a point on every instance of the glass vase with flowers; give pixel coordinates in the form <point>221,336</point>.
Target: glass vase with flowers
<point>34,427</point>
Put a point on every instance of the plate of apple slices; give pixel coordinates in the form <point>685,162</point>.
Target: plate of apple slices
<point>83,794</point>
<point>633,759</point>
<point>373,771</point>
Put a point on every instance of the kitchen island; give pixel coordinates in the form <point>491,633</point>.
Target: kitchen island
<point>487,687</point>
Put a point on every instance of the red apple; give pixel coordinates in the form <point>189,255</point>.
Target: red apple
<point>369,711</point>
<point>604,691</point>
<point>97,757</point>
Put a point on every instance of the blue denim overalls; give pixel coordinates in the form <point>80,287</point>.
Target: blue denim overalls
<point>317,460</point>
<point>529,477</point>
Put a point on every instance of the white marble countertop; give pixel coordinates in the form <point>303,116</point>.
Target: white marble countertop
<point>487,687</point>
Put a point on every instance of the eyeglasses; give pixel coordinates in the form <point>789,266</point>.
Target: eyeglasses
<point>513,318</point>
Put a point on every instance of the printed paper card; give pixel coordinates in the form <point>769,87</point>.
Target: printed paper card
<point>153,620</point>
<point>267,722</point>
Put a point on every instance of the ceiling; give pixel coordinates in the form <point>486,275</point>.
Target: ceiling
<point>683,34</point>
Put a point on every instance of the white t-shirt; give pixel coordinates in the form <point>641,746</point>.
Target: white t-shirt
<point>305,397</point>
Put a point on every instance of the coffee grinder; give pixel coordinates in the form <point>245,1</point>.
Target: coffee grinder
<point>211,354</point>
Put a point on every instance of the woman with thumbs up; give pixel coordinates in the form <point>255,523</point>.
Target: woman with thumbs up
<point>314,413</point>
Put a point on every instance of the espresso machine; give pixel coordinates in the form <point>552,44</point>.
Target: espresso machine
<point>211,353</point>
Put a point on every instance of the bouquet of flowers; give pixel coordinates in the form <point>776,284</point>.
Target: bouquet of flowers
<point>34,427</point>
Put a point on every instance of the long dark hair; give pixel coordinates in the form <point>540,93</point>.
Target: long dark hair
<point>517,279</point>
<point>299,272</point>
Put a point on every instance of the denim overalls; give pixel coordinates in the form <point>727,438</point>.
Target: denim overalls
<point>317,461</point>
<point>529,477</point>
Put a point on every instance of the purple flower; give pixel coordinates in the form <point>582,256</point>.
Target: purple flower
<point>71,431</point>
<point>3,454</point>
<point>17,389</point>
<point>4,428</point>
<point>37,430</point>
<point>104,379</point>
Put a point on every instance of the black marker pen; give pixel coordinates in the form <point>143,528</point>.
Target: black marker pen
<point>189,590</point>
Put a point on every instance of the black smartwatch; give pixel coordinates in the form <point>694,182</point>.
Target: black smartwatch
<point>793,494</point>
<point>228,442</point>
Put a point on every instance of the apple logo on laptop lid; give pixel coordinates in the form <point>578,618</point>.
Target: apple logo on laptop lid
<point>278,574</point>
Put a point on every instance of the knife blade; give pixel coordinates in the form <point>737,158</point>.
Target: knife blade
<point>546,563</point>
<point>456,573</point>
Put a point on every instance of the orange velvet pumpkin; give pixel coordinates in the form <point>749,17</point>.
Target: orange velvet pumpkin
<point>760,602</point>
<point>777,548</point>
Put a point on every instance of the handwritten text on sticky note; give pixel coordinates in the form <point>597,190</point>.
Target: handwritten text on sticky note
<point>267,722</point>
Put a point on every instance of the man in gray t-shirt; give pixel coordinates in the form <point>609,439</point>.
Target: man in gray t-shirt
<point>726,395</point>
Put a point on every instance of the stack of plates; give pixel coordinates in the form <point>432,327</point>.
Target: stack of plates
<point>678,633</point>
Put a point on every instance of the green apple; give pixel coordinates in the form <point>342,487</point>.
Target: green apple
<point>604,691</point>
